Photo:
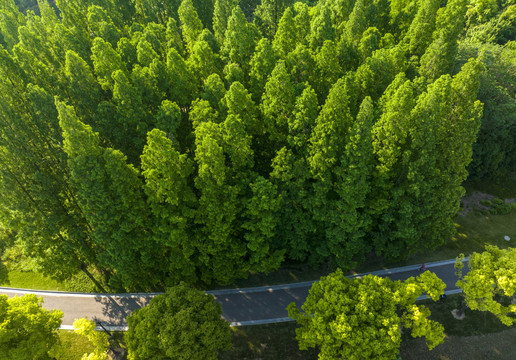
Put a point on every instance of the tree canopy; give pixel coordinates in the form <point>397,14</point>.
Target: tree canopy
<point>27,330</point>
<point>183,323</point>
<point>152,142</point>
<point>363,317</point>
<point>490,283</point>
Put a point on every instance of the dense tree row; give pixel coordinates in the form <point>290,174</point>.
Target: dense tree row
<point>160,141</point>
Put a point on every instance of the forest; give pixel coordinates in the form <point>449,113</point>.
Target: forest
<point>149,142</point>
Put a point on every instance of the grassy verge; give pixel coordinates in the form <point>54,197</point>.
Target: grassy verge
<point>503,188</point>
<point>479,336</point>
<point>72,346</point>
<point>32,280</point>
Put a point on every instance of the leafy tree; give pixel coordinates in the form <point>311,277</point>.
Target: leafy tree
<point>183,87</point>
<point>39,205</point>
<point>172,202</point>
<point>110,195</point>
<point>302,21</point>
<point>221,12</point>
<point>329,70</point>
<point>10,19</point>
<point>105,62</point>
<point>418,215</point>
<point>494,152</point>
<point>419,34</point>
<point>349,219</point>
<point>233,73</point>
<point>267,15</point>
<point>203,61</point>
<point>158,11</point>
<point>214,91</point>
<point>101,25</point>
<point>369,42</point>
<point>98,339</point>
<point>27,330</point>
<point>183,323</point>
<point>291,172</point>
<point>357,22</point>
<point>239,40</point>
<point>302,67</point>
<point>285,39</point>
<point>173,36</point>
<point>262,63</point>
<point>238,102</point>
<point>362,318</point>
<point>278,101</point>
<point>321,28</point>
<point>191,25</point>
<point>438,57</point>
<point>490,282</point>
<point>83,88</point>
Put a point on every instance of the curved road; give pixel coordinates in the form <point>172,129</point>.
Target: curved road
<point>246,306</point>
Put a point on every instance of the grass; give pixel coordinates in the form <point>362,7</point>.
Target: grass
<point>271,341</point>
<point>72,346</point>
<point>504,188</point>
<point>479,336</point>
<point>32,280</point>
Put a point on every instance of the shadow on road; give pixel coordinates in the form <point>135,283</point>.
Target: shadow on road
<point>116,309</point>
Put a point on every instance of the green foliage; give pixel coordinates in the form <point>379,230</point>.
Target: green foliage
<point>184,323</point>
<point>99,339</point>
<point>191,25</point>
<point>362,317</point>
<point>490,282</point>
<point>320,130</point>
<point>27,330</point>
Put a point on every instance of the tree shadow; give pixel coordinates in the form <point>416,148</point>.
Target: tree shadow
<point>116,309</point>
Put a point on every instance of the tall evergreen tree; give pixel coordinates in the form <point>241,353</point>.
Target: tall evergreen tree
<point>278,102</point>
<point>285,39</point>
<point>419,34</point>
<point>262,63</point>
<point>191,25</point>
<point>267,15</point>
<point>439,56</point>
<point>239,40</point>
<point>111,197</point>
<point>173,203</point>
<point>221,13</point>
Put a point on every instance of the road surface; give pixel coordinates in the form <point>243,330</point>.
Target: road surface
<point>249,306</point>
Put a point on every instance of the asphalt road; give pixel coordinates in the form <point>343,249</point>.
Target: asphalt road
<point>247,306</point>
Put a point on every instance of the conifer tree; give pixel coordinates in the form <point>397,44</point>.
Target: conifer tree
<point>438,57</point>
<point>285,39</point>
<point>191,25</point>
<point>110,195</point>
<point>262,63</point>
<point>278,101</point>
<point>239,41</point>
<point>172,202</point>
<point>83,88</point>
<point>321,28</point>
<point>221,13</point>
<point>419,34</point>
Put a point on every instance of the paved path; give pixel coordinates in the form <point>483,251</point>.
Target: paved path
<point>249,306</point>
